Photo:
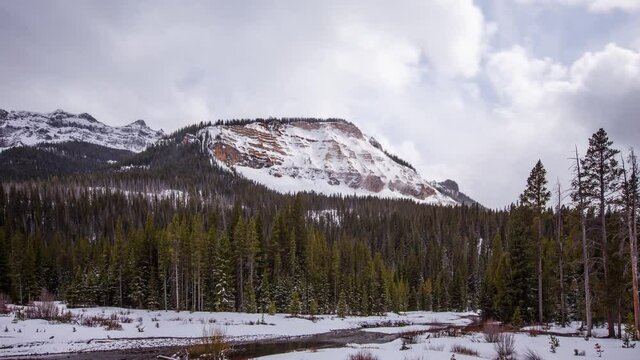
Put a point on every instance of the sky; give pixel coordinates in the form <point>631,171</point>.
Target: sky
<point>474,91</point>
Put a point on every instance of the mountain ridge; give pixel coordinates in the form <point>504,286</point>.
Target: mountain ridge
<point>327,156</point>
<point>28,128</point>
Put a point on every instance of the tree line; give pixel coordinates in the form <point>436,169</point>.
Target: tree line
<point>233,245</point>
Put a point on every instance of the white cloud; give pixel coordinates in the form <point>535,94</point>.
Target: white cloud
<point>596,6</point>
<point>418,74</point>
<point>549,107</point>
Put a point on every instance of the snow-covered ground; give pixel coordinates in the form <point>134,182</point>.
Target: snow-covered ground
<point>440,349</point>
<point>168,328</point>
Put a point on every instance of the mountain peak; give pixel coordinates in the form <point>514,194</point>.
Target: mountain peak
<point>326,156</point>
<point>138,122</point>
<point>31,128</point>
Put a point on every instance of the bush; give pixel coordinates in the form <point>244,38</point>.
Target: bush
<point>272,308</point>
<point>111,325</point>
<point>362,355</point>
<point>4,300</point>
<point>630,326</point>
<point>516,319</point>
<point>491,331</point>
<point>505,346</point>
<point>532,355</point>
<point>410,337</point>
<point>214,345</point>
<point>462,350</point>
<point>554,343</point>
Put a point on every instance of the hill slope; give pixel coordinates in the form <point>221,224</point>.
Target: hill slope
<point>329,157</point>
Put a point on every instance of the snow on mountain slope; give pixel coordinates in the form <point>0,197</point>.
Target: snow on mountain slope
<point>19,128</point>
<point>330,157</point>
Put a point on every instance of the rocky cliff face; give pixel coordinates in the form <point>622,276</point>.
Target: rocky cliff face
<point>20,128</point>
<point>330,157</point>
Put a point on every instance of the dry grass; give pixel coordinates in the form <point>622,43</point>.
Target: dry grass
<point>98,320</point>
<point>411,337</point>
<point>491,330</point>
<point>45,309</point>
<point>362,355</point>
<point>214,345</point>
<point>505,346</point>
<point>463,350</point>
<point>531,355</point>
<point>4,300</point>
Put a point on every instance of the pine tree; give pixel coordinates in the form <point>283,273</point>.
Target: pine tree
<point>295,305</point>
<point>521,280</point>
<point>222,274</point>
<point>5,268</point>
<point>343,309</point>
<point>602,176</point>
<point>536,195</point>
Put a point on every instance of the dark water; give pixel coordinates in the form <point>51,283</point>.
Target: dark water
<point>252,350</point>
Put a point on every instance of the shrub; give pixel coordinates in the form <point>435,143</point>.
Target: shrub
<point>45,309</point>
<point>213,345</point>
<point>111,325</point>
<point>272,308</point>
<point>630,326</point>
<point>532,355</point>
<point>4,300</point>
<point>410,337</point>
<point>516,319</point>
<point>505,346</point>
<point>554,343</point>
<point>462,350</point>
<point>491,331</point>
<point>362,355</point>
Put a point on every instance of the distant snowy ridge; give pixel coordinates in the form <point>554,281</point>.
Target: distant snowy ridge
<point>330,157</point>
<point>26,128</point>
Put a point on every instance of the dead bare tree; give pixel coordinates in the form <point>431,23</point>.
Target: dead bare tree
<point>630,195</point>
<point>579,197</point>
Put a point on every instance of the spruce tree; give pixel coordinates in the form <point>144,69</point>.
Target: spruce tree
<point>602,178</point>
<point>295,305</point>
<point>343,308</point>
<point>5,268</point>
<point>521,283</point>
<point>536,195</point>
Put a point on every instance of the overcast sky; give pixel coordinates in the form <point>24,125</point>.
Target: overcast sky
<point>475,91</point>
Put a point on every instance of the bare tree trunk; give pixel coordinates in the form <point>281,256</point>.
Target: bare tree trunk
<point>164,282</point>
<point>631,205</point>
<point>619,316</point>
<point>177,286</point>
<point>603,244</point>
<point>587,285</point>
<point>563,316</point>
<point>240,285</point>
<point>120,284</point>
<point>585,248</point>
<point>540,305</point>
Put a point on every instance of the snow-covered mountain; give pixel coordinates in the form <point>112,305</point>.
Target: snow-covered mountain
<point>18,128</point>
<point>330,157</point>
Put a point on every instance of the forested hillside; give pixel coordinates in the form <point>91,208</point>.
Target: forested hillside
<point>174,231</point>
